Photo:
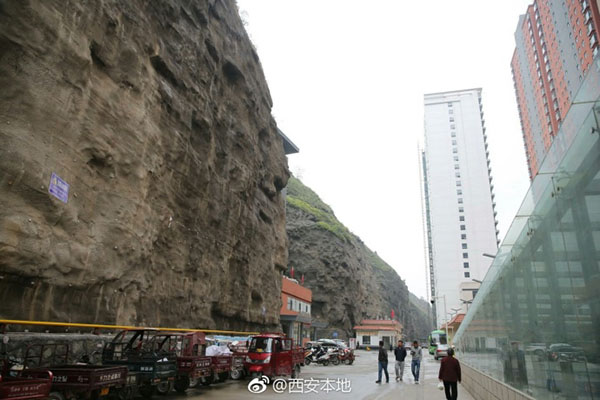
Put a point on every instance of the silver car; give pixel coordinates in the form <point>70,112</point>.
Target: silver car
<point>441,351</point>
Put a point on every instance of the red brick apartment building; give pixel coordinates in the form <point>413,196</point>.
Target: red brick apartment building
<point>556,42</point>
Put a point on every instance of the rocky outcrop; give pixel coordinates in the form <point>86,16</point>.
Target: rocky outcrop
<point>349,282</point>
<point>158,117</point>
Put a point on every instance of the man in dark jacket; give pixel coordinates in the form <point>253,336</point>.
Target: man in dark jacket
<point>450,374</point>
<point>383,361</point>
<point>400,353</point>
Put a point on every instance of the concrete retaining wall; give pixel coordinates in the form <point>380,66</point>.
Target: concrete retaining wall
<point>484,387</point>
<point>80,345</point>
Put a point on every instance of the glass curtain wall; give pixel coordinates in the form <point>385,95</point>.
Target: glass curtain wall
<point>535,323</point>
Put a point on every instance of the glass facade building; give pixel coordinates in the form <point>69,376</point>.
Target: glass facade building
<point>535,322</point>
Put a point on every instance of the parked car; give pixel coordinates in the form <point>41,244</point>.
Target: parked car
<point>310,345</point>
<point>565,352</point>
<point>537,349</point>
<point>328,344</point>
<point>440,351</point>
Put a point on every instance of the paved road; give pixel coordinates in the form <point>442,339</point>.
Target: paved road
<point>361,377</point>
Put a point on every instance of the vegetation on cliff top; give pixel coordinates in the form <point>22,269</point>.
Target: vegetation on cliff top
<point>376,261</point>
<point>296,189</point>
<point>305,199</point>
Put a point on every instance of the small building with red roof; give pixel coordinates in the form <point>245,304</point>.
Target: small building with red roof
<point>453,326</point>
<point>295,310</point>
<point>371,331</point>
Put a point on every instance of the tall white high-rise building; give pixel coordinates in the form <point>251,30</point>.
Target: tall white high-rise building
<point>458,196</point>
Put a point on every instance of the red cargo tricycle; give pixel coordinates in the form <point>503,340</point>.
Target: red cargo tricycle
<point>192,364</point>
<point>81,381</point>
<point>273,354</point>
<point>15,386</point>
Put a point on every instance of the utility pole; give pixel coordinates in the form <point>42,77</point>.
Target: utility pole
<point>445,312</point>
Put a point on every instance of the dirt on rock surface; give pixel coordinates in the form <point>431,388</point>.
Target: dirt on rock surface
<point>158,117</point>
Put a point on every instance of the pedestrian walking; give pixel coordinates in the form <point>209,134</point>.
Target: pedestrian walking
<point>450,375</point>
<point>400,353</point>
<point>415,365</point>
<point>383,362</point>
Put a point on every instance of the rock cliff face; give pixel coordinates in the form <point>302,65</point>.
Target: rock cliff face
<point>348,280</point>
<point>158,116</point>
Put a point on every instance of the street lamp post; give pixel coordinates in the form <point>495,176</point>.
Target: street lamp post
<point>467,302</point>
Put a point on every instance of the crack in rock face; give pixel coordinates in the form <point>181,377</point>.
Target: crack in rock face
<point>157,116</point>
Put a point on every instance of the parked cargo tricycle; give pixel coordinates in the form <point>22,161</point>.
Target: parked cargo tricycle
<point>155,369</point>
<point>15,386</point>
<point>273,354</point>
<point>74,380</point>
<point>189,348</point>
<point>240,351</point>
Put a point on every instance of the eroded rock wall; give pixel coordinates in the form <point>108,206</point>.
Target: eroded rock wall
<point>158,116</point>
<point>349,282</point>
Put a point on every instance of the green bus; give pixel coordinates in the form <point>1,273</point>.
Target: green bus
<point>436,337</point>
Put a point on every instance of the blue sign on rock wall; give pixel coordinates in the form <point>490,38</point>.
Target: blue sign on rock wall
<point>59,188</point>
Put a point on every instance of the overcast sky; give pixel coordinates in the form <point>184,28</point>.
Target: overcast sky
<point>347,80</point>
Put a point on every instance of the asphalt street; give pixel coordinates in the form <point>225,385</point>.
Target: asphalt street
<point>345,382</point>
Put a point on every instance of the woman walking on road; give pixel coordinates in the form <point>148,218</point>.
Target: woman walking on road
<point>450,375</point>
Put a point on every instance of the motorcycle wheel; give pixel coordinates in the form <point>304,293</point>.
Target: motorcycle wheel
<point>325,363</point>
<point>335,361</point>
<point>164,387</point>
<point>194,382</point>
<point>182,383</point>
<point>307,361</point>
<point>348,361</point>
<point>236,374</point>
<point>207,380</point>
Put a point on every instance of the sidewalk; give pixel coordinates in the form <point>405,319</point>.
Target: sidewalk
<point>426,389</point>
